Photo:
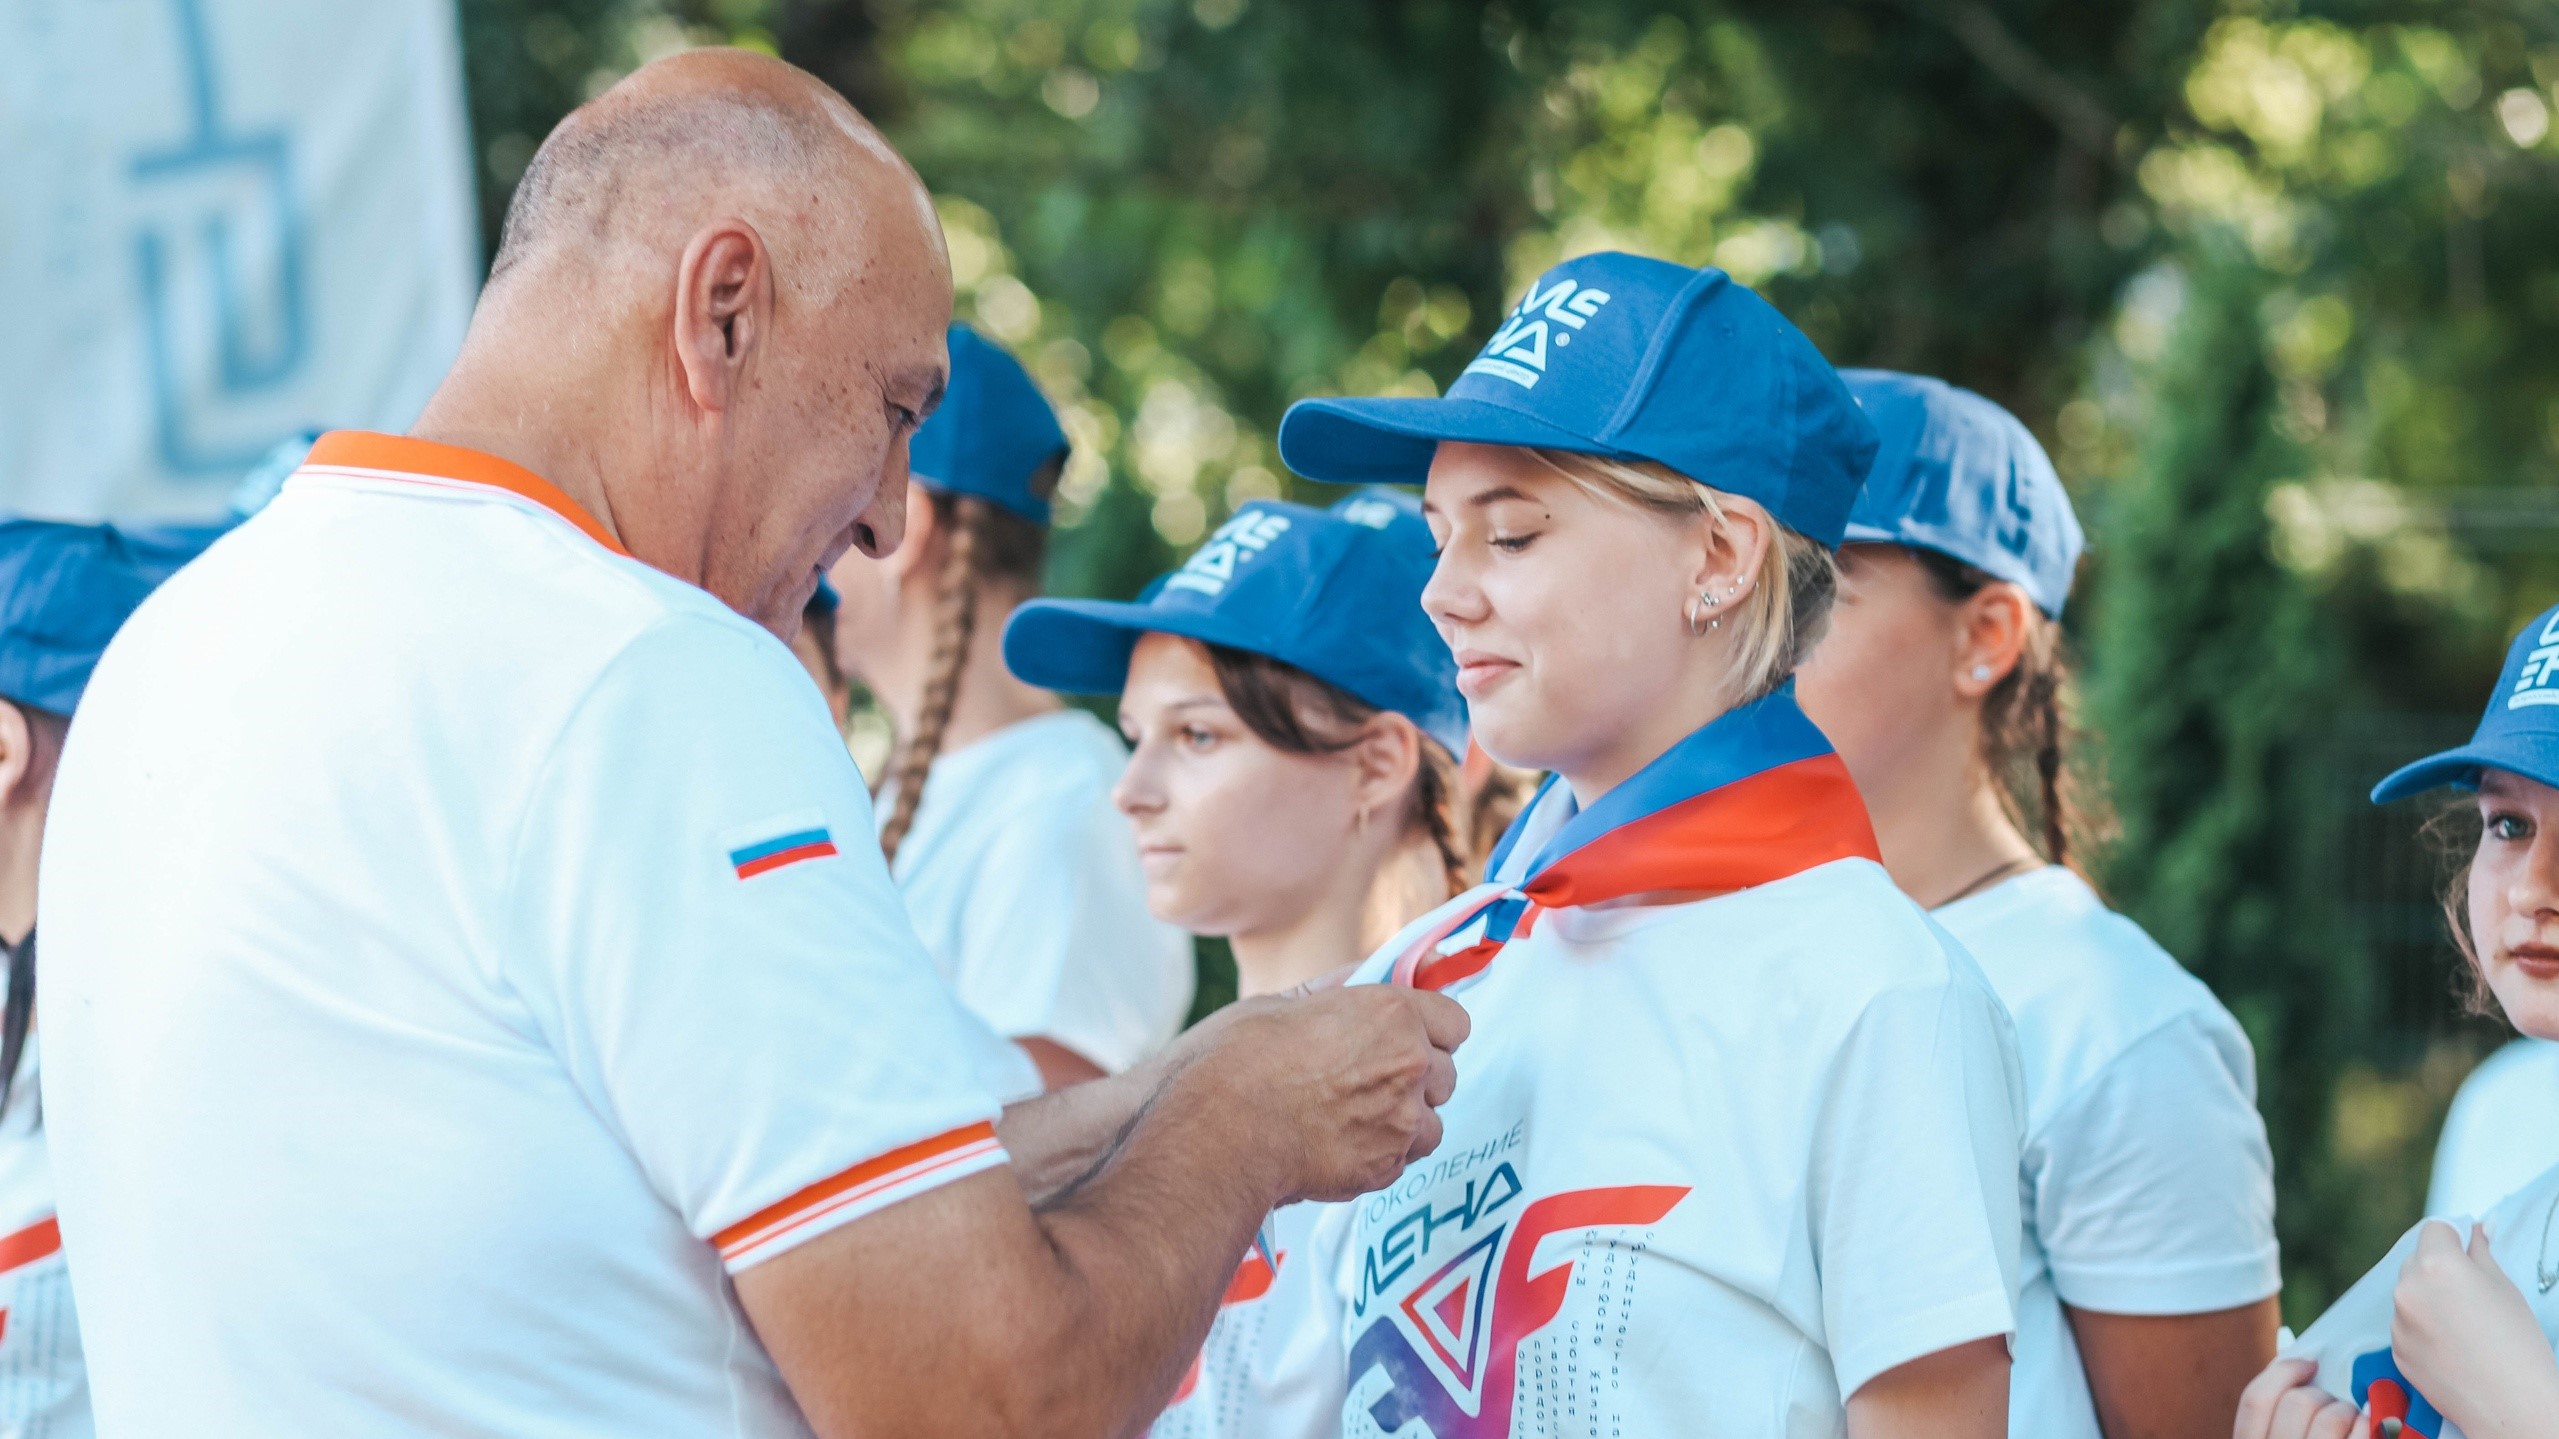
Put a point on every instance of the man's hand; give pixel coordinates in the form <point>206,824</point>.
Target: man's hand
<point>976,1309</point>
<point>1339,1089</point>
<point>2464,1336</point>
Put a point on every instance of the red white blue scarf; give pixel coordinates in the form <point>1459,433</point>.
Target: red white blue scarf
<point>1755,795</point>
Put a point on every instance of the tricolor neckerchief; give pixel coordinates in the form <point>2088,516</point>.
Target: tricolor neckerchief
<point>1755,795</point>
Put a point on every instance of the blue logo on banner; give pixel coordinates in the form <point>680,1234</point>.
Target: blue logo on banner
<point>229,217</point>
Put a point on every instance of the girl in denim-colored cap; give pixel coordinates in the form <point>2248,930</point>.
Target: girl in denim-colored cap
<point>1733,1146</point>
<point>1295,788</point>
<point>2150,1259</point>
<point>2452,1333</point>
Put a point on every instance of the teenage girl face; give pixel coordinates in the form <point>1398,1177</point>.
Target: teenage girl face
<point>1567,614</point>
<point>2514,899</point>
<point>1235,837</point>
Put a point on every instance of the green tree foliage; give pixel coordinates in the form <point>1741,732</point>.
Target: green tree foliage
<point>2271,277</point>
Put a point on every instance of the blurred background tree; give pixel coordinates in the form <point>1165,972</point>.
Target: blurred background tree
<point>2270,278</point>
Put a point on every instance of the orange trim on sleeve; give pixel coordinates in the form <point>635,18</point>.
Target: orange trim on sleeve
<point>867,1180</point>
<point>40,1240</point>
<point>397,455</point>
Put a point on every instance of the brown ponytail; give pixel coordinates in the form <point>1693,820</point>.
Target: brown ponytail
<point>988,547</point>
<point>1296,713</point>
<point>2027,735</point>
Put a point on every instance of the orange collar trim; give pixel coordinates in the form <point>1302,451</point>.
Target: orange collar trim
<point>398,457</point>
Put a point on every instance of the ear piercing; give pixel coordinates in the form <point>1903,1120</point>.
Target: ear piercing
<point>1981,672</point>
<point>1705,605</point>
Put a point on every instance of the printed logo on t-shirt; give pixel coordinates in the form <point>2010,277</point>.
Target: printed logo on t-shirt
<point>1445,1291</point>
<point>1518,350</point>
<point>772,844</point>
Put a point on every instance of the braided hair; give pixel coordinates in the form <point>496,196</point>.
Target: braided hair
<point>2027,734</point>
<point>989,547</point>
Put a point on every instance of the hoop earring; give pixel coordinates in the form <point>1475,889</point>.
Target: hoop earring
<point>1703,605</point>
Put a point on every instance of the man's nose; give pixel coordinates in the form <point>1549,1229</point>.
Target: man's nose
<point>881,527</point>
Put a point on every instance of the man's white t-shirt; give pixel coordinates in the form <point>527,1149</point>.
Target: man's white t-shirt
<point>1024,884</point>
<point>2149,1188</point>
<point>1709,1168</point>
<point>2503,1129</point>
<point>1271,1367</point>
<point>463,951</point>
<point>44,1382</point>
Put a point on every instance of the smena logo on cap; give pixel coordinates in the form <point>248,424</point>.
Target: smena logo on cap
<point>2538,681</point>
<point>1518,350</point>
<point>1236,542</point>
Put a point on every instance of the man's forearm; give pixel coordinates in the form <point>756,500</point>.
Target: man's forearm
<point>1057,1141</point>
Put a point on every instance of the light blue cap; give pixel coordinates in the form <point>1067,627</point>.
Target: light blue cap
<point>1336,593</point>
<point>1961,476</point>
<point>1628,358</point>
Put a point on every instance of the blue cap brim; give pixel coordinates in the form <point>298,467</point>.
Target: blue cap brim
<point>2460,768</point>
<point>1082,647</point>
<point>1390,440</point>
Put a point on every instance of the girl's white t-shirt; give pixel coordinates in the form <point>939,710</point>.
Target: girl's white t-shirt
<point>2503,1129</point>
<point>1709,1168</point>
<point>1271,1367</point>
<point>1024,885</point>
<point>44,1381</point>
<point>2351,1342</point>
<point>2148,1186</point>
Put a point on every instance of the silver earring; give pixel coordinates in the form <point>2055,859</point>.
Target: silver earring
<point>1700,608</point>
<point>1980,673</point>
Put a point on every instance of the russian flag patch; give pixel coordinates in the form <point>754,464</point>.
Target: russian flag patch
<point>766,855</point>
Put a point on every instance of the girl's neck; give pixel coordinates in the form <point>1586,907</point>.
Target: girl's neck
<point>1945,835</point>
<point>1374,895</point>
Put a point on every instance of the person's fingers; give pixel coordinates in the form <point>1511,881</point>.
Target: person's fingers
<point>2257,1401</point>
<point>1440,1081</point>
<point>1443,1018</point>
<point>2482,1245</point>
<point>2299,1414</point>
<point>2436,1242</point>
<point>1426,1136</point>
<point>2336,1420</point>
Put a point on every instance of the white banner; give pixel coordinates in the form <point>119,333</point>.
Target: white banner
<point>221,221</point>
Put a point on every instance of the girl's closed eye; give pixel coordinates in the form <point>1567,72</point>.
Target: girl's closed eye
<point>1513,543</point>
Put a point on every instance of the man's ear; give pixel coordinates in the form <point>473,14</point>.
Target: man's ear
<point>723,310</point>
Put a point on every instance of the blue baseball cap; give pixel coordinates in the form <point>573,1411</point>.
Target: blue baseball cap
<point>2519,731</point>
<point>64,592</point>
<point>1336,593</point>
<point>1961,476</point>
<point>993,432</point>
<point>1632,359</point>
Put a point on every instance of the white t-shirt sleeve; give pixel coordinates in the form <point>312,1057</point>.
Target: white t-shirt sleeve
<point>2153,1188</point>
<point>1058,943</point>
<point>1914,1179</point>
<point>708,937</point>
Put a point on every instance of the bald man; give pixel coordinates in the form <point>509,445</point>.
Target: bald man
<point>474,1004</point>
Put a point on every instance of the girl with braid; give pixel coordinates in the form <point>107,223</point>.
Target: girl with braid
<point>1295,789</point>
<point>995,811</point>
<point>2150,1278</point>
